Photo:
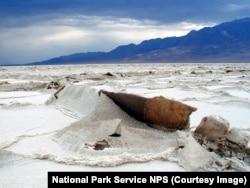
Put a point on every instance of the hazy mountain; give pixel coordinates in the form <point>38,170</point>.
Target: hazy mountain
<point>226,42</point>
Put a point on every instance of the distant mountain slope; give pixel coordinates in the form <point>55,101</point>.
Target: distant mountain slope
<point>226,42</point>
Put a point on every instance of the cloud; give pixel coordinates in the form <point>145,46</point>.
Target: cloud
<point>164,11</point>
<point>33,30</point>
<point>80,33</point>
<point>238,6</point>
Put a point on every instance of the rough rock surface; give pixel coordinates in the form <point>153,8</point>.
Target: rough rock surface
<point>215,134</point>
<point>157,112</point>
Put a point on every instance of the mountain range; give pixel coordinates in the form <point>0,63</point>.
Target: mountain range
<point>226,42</point>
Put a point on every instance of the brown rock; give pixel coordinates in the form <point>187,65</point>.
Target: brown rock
<point>214,134</point>
<point>163,113</point>
<point>212,127</point>
<point>157,112</point>
<point>100,145</point>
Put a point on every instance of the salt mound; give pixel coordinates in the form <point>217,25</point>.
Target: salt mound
<point>105,135</point>
<point>238,136</point>
<point>82,135</point>
<point>76,101</point>
<point>128,140</point>
<point>192,156</point>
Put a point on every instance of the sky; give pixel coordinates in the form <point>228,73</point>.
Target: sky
<point>36,30</point>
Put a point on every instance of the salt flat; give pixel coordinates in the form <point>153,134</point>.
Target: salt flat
<point>41,133</point>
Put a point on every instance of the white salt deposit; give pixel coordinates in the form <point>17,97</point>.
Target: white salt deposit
<point>42,133</point>
<point>192,156</point>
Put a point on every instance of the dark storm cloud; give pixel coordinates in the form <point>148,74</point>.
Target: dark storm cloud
<point>161,10</point>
